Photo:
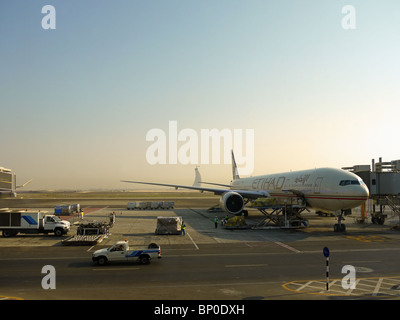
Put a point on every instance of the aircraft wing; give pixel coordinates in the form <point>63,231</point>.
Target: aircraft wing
<point>26,183</point>
<point>250,194</point>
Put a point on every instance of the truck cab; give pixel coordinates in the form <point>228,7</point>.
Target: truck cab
<point>120,252</point>
<point>52,223</point>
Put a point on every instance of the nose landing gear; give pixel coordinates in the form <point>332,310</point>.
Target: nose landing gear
<point>341,227</point>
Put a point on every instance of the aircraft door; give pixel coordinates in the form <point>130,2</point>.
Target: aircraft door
<point>317,185</point>
<point>117,252</point>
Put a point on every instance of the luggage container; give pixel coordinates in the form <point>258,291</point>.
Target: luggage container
<point>131,206</point>
<point>65,210</point>
<point>154,205</point>
<point>142,205</point>
<point>169,225</point>
<point>76,207</point>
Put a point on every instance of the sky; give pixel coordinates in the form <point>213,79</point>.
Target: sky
<point>78,102</point>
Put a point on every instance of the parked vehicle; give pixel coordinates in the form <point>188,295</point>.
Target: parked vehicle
<point>13,222</point>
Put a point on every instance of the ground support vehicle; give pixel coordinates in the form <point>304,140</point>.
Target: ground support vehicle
<point>120,252</point>
<point>90,233</point>
<point>13,222</point>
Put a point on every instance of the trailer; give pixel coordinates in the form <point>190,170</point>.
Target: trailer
<point>167,205</point>
<point>13,222</point>
<point>131,206</point>
<point>147,205</point>
<point>141,205</point>
<point>83,240</point>
<point>90,233</point>
<point>95,227</point>
<point>154,205</point>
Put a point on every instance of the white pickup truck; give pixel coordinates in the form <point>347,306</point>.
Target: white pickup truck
<point>121,252</point>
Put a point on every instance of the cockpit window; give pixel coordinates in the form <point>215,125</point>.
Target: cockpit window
<point>348,182</point>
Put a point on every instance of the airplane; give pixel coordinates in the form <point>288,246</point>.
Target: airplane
<point>328,190</point>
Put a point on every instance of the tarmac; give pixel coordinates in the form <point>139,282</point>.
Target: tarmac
<point>267,263</point>
<point>138,226</point>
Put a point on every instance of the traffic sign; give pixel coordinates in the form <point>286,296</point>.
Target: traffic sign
<point>326,254</point>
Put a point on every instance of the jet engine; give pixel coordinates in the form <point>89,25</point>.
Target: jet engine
<point>231,202</point>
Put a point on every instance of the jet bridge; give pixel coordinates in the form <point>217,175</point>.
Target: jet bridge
<point>383,181</point>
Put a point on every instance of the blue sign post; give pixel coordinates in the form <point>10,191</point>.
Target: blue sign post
<point>326,255</point>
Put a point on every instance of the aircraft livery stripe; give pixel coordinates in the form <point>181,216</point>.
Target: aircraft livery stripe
<point>326,197</point>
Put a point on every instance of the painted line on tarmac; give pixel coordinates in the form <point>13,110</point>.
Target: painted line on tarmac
<point>287,247</point>
<point>192,240</point>
<point>113,269</point>
<point>10,298</point>
<point>281,244</point>
<point>245,265</point>
<point>41,258</point>
<point>365,287</point>
<point>377,287</point>
<point>215,254</point>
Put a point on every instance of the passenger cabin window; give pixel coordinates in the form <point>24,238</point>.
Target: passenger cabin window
<point>348,182</point>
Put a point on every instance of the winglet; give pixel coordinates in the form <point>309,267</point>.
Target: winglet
<point>235,172</point>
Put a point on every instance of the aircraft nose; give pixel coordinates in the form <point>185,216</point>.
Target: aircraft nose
<point>364,192</point>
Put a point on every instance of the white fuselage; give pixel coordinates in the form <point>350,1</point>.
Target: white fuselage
<point>325,189</point>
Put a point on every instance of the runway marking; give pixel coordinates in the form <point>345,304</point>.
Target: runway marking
<point>40,258</point>
<point>361,261</point>
<point>377,287</point>
<point>287,247</point>
<point>88,250</point>
<point>113,269</point>
<point>192,240</point>
<point>10,298</point>
<point>305,285</point>
<point>365,287</point>
<point>348,292</point>
<point>281,244</point>
<point>368,238</point>
<point>245,265</point>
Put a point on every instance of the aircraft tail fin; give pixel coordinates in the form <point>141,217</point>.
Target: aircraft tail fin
<point>197,179</point>
<point>235,172</point>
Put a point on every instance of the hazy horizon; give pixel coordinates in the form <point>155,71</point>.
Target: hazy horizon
<point>77,102</point>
